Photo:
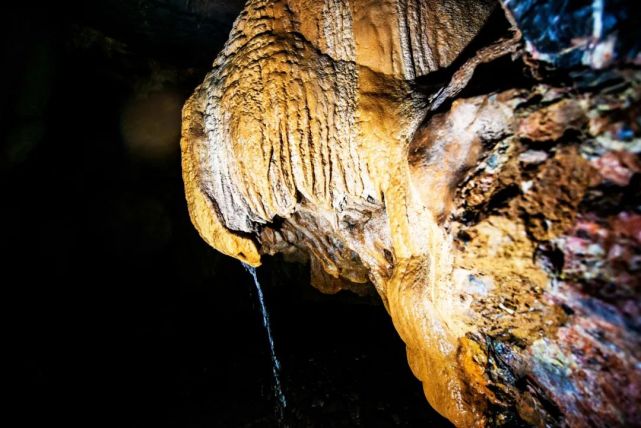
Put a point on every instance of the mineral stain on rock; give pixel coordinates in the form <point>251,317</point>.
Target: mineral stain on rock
<point>500,230</point>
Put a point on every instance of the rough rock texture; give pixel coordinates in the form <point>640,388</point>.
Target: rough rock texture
<point>501,234</point>
<point>546,229</point>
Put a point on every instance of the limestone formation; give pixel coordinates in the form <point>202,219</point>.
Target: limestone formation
<point>310,137</point>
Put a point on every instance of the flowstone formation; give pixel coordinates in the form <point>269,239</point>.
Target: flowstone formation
<point>501,231</point>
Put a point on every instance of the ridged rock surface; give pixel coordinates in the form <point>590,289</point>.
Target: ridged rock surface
<point>309,138</point>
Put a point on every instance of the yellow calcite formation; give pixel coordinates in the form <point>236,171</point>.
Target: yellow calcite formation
<point>304,139</point>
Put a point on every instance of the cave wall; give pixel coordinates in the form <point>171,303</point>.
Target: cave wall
<point>501,230</point>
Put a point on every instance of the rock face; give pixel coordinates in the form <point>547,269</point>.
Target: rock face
<point>501,234</point>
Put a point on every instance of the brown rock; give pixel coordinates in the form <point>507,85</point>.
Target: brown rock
<point>551,122</point>
<point>308,138</point>
<point>307,116</point>
<point>550,203</point>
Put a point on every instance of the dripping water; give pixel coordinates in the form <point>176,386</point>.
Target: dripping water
<point>278,391</point>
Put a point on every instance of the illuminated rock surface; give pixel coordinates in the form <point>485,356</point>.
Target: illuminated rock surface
<point>502,232</point>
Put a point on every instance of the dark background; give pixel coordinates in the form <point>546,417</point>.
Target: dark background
<point>118,313</point>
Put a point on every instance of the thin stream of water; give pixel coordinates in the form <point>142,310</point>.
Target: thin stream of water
<point>278,390</point>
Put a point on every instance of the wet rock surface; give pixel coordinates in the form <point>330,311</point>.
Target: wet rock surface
<point>500,231</point>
